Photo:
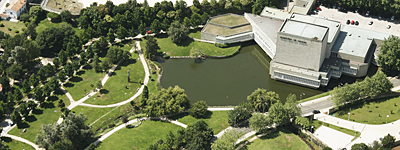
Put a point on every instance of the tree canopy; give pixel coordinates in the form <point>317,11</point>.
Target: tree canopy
<point>227,141</point>
<point>177,32</point>
<point>262,100</point>
<point>167,101</point>
<point>198,109</point>
<point>389,58</point>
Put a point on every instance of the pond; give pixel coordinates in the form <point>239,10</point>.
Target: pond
<point>228,81</point>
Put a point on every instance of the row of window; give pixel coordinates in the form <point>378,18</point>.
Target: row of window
<point>296,79</point>
<point>350,70</point>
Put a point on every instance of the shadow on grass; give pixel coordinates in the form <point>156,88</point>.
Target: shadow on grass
<point>30,118</point>
<point>59,92</point>
<point>52,98</point>
<point>185,42</point>
<point>68,85</point>
<point>104,91</point>
<point>47,105</point>
<point>6,139</point>
<point>76,79</point>
<point>80,72</point>
<point>87,67</point>
<point>178,116</point>
<point>37,111</point>
<point>23,125</point>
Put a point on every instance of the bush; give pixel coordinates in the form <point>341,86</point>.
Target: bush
<point>221,45</point>
<point>9,29</point>
<point>199,109</point>
<point>8,4</point>
<point>327,148</point>
<point>26,24</point>
<point>16,31</point>
<point>1,24</point>
<point>111,125</point>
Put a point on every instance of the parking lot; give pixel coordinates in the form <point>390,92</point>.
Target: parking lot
<point>378,25</point>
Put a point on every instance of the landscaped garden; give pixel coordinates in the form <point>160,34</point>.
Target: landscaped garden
<point>117,88</point>
<point>80,84</point>
<point>183,49</point>
<point>282,139</point>
<point>378,111</point>
<point>138,138</point>
<point>13,26</point>
<point>217,120</point>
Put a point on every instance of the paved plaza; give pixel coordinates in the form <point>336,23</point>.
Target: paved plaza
<point>335,139</point>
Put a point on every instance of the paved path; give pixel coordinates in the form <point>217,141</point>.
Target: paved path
<point>23,140</point>
<point>335,139</point>
<point>220,109</point>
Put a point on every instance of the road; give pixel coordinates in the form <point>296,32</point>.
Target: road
<point>322,104</point>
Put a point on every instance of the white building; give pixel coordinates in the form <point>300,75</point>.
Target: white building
<point>15,9</point>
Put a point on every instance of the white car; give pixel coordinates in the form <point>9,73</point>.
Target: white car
<point>392,18</point>
<point>367,14</point>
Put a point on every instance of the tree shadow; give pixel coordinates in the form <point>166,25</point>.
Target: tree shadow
<point>178,116</point>
<point>162,35</point>
<point>270,136</point>
<point>80,72</point>
<point>75,79</point>
<point>23,125</point>
<point>104,91</point>
<point>47,105</point>
<point>68,85</point>
<point>30,118</point>
<point>6,139</point>
<point>52,98</point>
<point>185,42</point>
<point>206,116</point>
<point>87,67</point>
<point>59,92</point>
<point>37,111</point>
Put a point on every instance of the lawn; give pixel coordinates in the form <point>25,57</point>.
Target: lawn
<point>281,139</point>
<point>217,120</point>
<point>117,88</point>
<point>317,124</point>
<point>47,114</point>
<point>314,97</point>
<point>218,30</point>
<point>195,33</point>
<point>45,23</point>
<point>107,118</point>
<point>92,113</point>
<point>16,145</point>
<point>373,112</point>
<point>138,138</point>
<point>14,26</point>
<point>77,85</point>
<point>229,20</point>
<point>183,49</point>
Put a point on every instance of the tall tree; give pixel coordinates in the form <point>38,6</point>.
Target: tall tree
<point>111,36</point>
<point>62,76</point>
<point>17,95</point>
<point>238,114</point>
<point>69,69</point>
<point>262,100</point>
<point>152,48</point>
<point>39,96</point>
<point>155,26</point>
<point>63,57</point>
<point>198,109</point>
<point>195,20</point>
<point>42,75</point>
<point>66,16</point>
<point>23,108</point>
<point>279,114</point>
<point>26,87</point>
<point>16,117</point>
<point>177,32</point>
<point>258,122</point>
<point>388,141</point>
<point>198,136</point>
<point>167,101</point>
<point>122,33</point>
<point>227,141</point>
<point>142,28</point>
<point>33,80</point>
<point>56,63</point>
<point>15,71</point>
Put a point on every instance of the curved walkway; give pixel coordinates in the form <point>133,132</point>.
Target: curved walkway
<point>146,80</point>
<point>23,140</point>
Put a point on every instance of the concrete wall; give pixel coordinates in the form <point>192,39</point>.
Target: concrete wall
<point>262,39</point>
<point>234,39</point>
<point>208,36</point>
<point>300,52</point>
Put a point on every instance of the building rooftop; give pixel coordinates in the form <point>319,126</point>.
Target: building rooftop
<point>274,13</point>
<point>355,41</point>
<point>303,29</point>
<point>302,6</point>
<point>268,26</point>
<point>297,70</point>
<point>229,20</point>
<point>334,26</point>
<point>223,31</point>
<point>16,5</point>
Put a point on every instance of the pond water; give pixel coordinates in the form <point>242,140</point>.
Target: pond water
<point>229,81</point>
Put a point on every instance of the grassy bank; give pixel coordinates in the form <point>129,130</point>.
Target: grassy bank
<point>183,48</point>
<point>281,139</point>
<point>314,97</point>
<point>16,145</point>
<point>217,120</point>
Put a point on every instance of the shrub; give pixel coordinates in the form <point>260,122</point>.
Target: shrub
<point>16,31</point>
<point>1,24</point>
<point>9,29</point>
<point>26,24</point>
<point>221,45</point>
<point>198,109</point>
<point>8,4</point>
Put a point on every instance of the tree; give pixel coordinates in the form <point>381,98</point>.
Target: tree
<point>155,26</point>
<point>262,100</point>
<point>195,20</point>
<point>72,129</point>
<point>198,109</point>
<point>303,122</point>
<point>279,114</point>
<point>62,76</point>
<point>69,69</point>
<point>66,16</point>
<point>116,53</point>
<point>35,11</point>
<point>23,108</point>
<point>42,75</point>
<point>204,18</point>
<point>75,65</point>
<point>122,32</point>
<point>39,96</point>
<point>177,32</point>
<point>186,22</point>
<point>227,141</point>
<point>388,141</point>
<point>145,96</point>
<point>291,106</point>
<point>33,80</point>
<point>89,53</point>
<point>152,48</point>
<point>16,117</point>
<point>142,28</point>
<point>389,58</point>
<point>111,36</point>
<point>238,114</point>
<point>258,122</point>
<point>17,95</point>
<point>99,85</point>
<point>359,146</point>
<point>63,57</point>
<point>49,69</point>
<point>31,105</point>
<point>95,64</point>
<point>54,83</point>
<point>15,71</point>
<point>56,63</point>
<point>166,102</point>
<point>52,15</point>
<point>198,136</point>
<point>61,103</point>
<point>26,87</point>
<point>3,108</point>
<point>82,59</point>
<point>47,90</point>
<point>24,17</point>
<point>18,55</point>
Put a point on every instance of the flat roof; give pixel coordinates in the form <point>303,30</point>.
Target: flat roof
<point>275,13</point>
<point>268,26</point>
<point>334,26</point>
<point>303,29</point>
<point>229,20</point>
<point>302,6</point>
<point>356,41</point>
<point>218,30</point>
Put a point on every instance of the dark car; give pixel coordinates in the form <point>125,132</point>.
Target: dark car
<point>316,112</point>
<point>356,23</point>
<point>348,22</point>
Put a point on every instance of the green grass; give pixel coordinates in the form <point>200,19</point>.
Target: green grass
<point>217,120</point>
<point>44,24</point>
<point>138,138</point>
<point>317,124</point>
<point>113,114</point>
<point>281,139</point>
<point>314,97</point>
<point>45,115</point>
<point>14,26</point>
<point>92,113</point>
<point>373,112</point>
<point>17,145</point>
<point>195,34</point>
<point>183,49</point>
<point>83,78</point>
<point>117,85</point>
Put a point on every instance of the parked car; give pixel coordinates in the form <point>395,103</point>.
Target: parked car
<point>356,23</point>
<point>367,14</point>
<point>352,22</point>
<point>371,22</point>
<point>388,26</point>
<point>316,112</point>
<point>392,18</point>
<point>348,22</point>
